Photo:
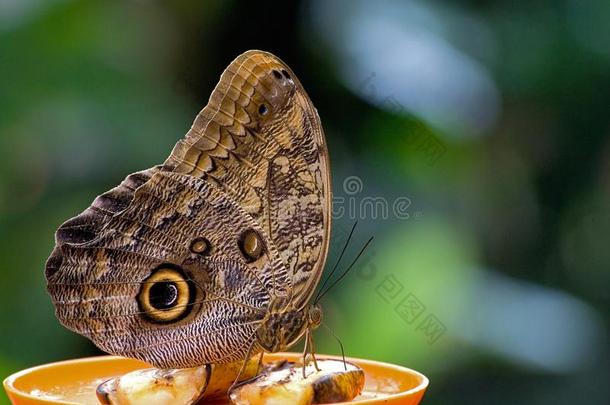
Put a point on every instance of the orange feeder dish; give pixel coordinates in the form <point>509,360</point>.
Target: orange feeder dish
<point>75,381</point>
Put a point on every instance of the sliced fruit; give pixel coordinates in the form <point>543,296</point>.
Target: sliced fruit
<point>283,383</point>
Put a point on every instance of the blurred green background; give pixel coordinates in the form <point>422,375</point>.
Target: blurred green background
<point>471,138</point>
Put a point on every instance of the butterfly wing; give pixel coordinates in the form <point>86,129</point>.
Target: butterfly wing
<point>163,268</point>
<point>112,265</point>
<point>260,140</point>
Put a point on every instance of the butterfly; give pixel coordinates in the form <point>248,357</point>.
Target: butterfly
<point>212,256</point>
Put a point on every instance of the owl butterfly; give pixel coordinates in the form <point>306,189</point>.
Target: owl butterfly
<point>213,255</point>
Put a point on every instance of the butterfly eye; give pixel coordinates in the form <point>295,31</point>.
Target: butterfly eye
<point>251,245</point>
<point>263,109</point>
<point>165,296</point>
<point>200,246</point>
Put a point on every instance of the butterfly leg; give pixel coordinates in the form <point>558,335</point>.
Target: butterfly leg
<point>340,345</point>
<point>313,349</point>
<point>260,363</point>
<point>305,345</point>
<point>243,366</point>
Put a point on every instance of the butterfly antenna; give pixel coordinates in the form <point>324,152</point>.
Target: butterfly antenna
<point>338,261</point>
<point>320,295</point>
<point>340,344</point>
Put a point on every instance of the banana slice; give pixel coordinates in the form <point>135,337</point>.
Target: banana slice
<point>283,383</point>
<point>154,386</point>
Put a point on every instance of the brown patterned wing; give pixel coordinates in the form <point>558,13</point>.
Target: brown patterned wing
<point>260,140</point>
<point>156,269</point>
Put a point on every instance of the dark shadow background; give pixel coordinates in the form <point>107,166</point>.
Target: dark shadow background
<point>470,138</point>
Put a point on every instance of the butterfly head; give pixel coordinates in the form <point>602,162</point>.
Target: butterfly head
<point>314,316</point>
